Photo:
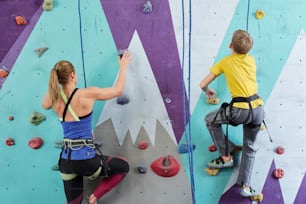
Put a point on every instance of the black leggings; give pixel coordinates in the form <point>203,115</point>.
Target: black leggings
<point>73,171</point>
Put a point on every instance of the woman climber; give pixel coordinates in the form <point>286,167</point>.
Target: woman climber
<point>74,108</point>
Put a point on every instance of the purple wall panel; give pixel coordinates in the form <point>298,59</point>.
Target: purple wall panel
<point>157,35</point>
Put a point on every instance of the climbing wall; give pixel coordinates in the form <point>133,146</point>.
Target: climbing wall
<point>162,89</point>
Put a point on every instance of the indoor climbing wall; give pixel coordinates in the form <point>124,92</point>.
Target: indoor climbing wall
<point>173,43</point>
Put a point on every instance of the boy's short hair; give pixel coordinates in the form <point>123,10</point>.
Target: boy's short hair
<point>242,41</point>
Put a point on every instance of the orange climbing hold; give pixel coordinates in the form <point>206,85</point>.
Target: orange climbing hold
<point>35,142</point>
<point>165,166</point>
<point>4,72</point>
<point>20,20</point>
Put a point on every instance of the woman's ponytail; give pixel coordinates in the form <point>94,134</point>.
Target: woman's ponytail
<point>54,86</point>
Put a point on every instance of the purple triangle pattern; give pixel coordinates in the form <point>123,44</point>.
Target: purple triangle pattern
<point>13,36</point>
<point>301,196</point>
<point>156,33</point>
<point>272,190</point>
<point>232,196</point>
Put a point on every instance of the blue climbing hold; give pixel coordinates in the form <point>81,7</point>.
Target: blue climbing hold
<point>122,100</point>
<point>183,148</point>
<point>142,169</point>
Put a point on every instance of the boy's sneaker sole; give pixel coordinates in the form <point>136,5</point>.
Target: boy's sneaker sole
<point>219,163</point>
<point>248,192</point>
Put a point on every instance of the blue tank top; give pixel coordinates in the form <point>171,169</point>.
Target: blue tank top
<point>76,130</point>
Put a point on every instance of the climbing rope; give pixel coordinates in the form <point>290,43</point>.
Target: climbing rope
<point>81,39</point>
<point>248,13</point>
<point>187,113</point>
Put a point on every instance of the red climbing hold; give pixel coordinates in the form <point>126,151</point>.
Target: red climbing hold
<point>35,142</point>
<point>212,148</point>
<point>165,166</point>
<point>20,20</point>
<point>278,173</point>
<point>9,141</point>
<point>143,145</point>
<point>10,117</point>
<point>280,150</point>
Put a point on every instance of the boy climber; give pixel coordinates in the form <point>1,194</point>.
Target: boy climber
<point>246,108</point>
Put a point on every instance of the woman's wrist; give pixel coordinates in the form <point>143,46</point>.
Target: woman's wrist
<point>205,88</point>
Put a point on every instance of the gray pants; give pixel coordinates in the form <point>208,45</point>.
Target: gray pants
<point>251,126</point>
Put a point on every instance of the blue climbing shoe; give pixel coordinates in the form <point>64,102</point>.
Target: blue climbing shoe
<point>219,163</point>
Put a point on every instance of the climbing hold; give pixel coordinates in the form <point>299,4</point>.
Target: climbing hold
<point>183,148</point>
<point>20,20</point>
<point>55,167</point>
<point>4,72</point>
<point>165,166</point>
<point>258,198</point>
<point>262,127</point>
<point>122,100</point>
<point>35,142</point>
<point>280,150</point>
<point>213,101</point>
<point>259,14</point>
<point>10,117</point>
<point>120,52</point>
<point>9,141</point>
<point>147,7</point>
<point>40,51</point>
<point>36,118</point>
<point>142,169</point>
<point>212,148</point>
<point>59,144</point>
<point>278,173</point>
<point>143,145</point>
<point>47,5</point>
<point>212,171</point>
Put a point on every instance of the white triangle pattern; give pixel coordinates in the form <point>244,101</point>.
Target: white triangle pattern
<point>146,105</point>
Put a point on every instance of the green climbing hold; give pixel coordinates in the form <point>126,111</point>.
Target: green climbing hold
<point>47,5</point>
<point>36,118</point>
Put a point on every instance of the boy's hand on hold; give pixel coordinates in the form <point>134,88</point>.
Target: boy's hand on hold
<point>125,59</point>
<point>210,93</point>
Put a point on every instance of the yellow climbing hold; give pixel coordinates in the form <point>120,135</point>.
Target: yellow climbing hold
<point>260,14</point>
<point>213,101</point>
<point>262,127</point>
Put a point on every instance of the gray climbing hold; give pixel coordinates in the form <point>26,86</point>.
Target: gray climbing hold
<point>142,169</point>
<point>40,51</point>
<point>55,167</point>
<point>147,7</point>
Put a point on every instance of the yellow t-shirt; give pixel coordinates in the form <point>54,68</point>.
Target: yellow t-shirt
<point>240,74</point>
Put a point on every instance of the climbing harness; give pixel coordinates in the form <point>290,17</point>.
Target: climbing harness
<point>227,114</point>
<point>187,116</point>
<point>78,143</point>
<point>104,163</point>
